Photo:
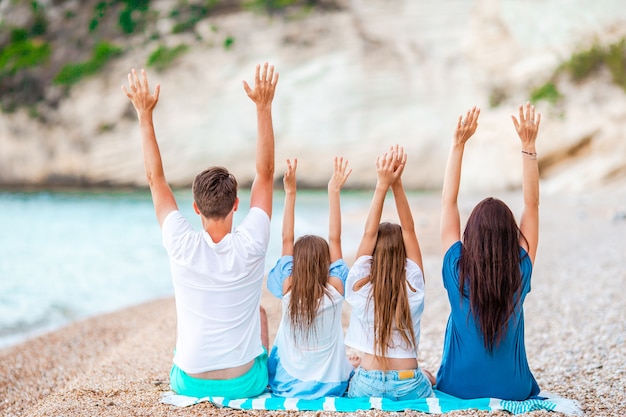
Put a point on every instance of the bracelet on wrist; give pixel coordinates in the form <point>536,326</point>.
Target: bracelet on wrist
<point>532,155</point>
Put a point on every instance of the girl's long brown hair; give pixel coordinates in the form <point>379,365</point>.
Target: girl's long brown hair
<point>490,262</point>
<point>389,290</point>
<point>311,262</point>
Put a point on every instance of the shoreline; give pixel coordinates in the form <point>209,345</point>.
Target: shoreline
<point>118,363</point>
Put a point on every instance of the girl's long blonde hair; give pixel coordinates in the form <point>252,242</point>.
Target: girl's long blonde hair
<point>311,263</point>
<point>389,290</point>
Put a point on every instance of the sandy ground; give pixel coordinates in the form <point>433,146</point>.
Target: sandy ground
<point>118,364</point>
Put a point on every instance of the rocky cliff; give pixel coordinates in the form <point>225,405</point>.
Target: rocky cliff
<point>353,81</point>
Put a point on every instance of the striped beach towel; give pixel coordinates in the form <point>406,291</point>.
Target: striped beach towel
<point>439,404</point>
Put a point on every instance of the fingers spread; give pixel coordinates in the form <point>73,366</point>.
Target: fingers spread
<point>135,78</point>
<point>515,123</point>
<point>246,87</point>
<point>270,76</point>
<point>144,79</point>
<point>157,91</point>
<point>476,114</point>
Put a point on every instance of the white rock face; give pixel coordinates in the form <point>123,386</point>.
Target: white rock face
<point>352,83</point>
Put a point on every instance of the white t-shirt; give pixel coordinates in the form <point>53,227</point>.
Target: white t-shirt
<point>317,366</point>
<point>217,287</point>
<point>360,333</point>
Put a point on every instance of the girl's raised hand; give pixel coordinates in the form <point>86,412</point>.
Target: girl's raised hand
<point>341,172</point>
<point>388,170</point>
<point>289,178</point>
<point>400,158</point>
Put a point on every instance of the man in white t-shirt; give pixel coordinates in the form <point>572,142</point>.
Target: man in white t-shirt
<point>222,341</point>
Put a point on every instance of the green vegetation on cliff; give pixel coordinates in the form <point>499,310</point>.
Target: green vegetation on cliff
<point>584,64</point>
<point>163,56</point>
<point>72,73</point>
<point>46,49</point>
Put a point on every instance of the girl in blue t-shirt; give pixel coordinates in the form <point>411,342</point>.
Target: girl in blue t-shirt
<point>487,277</point>
<point>308,359</point>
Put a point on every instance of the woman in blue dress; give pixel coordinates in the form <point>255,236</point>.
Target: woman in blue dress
<point>487,277</point>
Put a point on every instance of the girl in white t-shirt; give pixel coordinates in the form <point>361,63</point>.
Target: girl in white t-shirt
<point>308,359</point>
<point>385,288</point>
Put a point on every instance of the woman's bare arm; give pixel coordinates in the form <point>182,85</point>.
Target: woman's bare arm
<point>450,226</point>
<point>527,128</point>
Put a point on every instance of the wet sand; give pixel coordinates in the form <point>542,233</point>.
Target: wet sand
<point>118,364</point>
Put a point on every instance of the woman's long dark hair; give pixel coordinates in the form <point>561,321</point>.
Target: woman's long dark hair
<point>490,261</point>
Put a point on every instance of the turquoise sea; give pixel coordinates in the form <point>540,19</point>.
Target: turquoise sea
<point>65,256</point>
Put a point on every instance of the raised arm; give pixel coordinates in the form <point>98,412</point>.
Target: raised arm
<point>387,174</point>
<point>262,95</point>
<point>139,94</point>
<point>527,128</point>
<point>450,226</point>
<point>341,172</point>
<point>289,182</point>
<point>407,224</point>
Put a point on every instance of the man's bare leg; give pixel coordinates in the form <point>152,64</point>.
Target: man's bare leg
<point>265,338</point>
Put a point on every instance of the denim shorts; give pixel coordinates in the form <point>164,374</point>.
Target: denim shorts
<point>250,384</point>
<point>393,385</point>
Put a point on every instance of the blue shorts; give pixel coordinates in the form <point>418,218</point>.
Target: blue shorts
<point>393,385</point>
<point>250,384</point>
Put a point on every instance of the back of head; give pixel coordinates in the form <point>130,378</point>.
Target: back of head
<point>311,264</point>
<point>389,289</point>
<point>490,262</point>
<point>389,243</point>
<point>215,192</point>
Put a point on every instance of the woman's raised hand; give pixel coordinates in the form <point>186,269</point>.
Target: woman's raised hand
<point>466,126</point>
<point>528,125</point>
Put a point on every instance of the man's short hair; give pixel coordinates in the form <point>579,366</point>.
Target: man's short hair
<point>215,192</point>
